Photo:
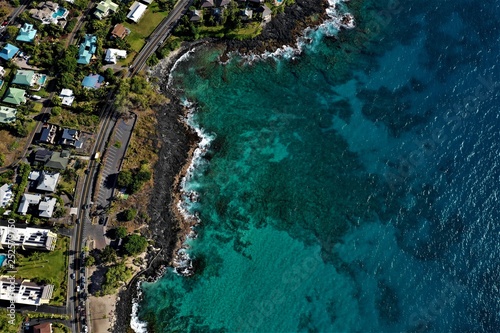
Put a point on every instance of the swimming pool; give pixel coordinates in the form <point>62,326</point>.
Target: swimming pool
<point>2,259</point>
<point>61,12</point>
<point>41,80</point>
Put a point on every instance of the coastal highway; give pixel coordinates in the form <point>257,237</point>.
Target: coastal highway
<point>159,35</point>
<point>79,24</point>
<point>18,10</point>
<point>84,205</point>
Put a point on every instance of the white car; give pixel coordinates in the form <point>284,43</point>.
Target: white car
<point>36,97</point>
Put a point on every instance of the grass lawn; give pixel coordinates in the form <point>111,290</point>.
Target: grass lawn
<point>140,31</point>
<point>5,326</point>
<point>250,30</point>
<point>37,107</point>
<point>49,266</point>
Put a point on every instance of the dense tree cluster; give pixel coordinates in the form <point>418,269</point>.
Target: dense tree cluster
<point>115,276</point>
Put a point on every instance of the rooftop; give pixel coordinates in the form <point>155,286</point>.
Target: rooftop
<point>27,33</point>
<point>8,52</point>
<point>14,96</point>
<point>92,81</point>
<point>25,292</point>
<point>24,77</point>
<point>137,10</point>
<point>7,115</point>
<point>104,7</point>
<point>87,49</point>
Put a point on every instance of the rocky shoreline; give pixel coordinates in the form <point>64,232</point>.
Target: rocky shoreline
<point>178,141</point>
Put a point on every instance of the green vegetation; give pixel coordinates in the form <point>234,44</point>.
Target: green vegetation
<point>23,170</point>
<point>133,180</point>
<point>108,255</point>
<point>135,244</point>
<point>141,30</point>
<point>127,215</point>
<point>115,276</point>
<point>6,326</point>
<point>46,267</point>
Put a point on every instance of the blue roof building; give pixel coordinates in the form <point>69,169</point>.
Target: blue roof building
<point>87,49</point>
<point>26,33</point>
<point>92,81</point>
<point>8,52</point>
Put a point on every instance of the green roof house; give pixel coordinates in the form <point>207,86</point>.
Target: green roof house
<point>87,49</point>
<point>26,33</point>
<point>7,115</point>
<point>104,7</point>
<point>24,78</point>
<point>15,96</point>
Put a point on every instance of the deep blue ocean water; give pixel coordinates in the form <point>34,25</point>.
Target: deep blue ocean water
<point>353,188</point>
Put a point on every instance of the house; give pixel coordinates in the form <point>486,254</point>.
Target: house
<point>7,115</point>
<point>223,3</point>
<point>113,54</point>
<point>195,15</point>
<point>71,137</point>
<point>207,4</point>
<point>58,160</point>
<point>92,81</point>
<point>119,31</point>
<point>87,49</point>
<point>42,156</point>
<point>26,200</point>
<point>104,7</point>
<point>26,33</point>
<point>137,10</point>
<point>247,14</point>
<point>15,96</point>
<point>266,13</point>
<point>24,291</point>
<point>49,12</point>
<point>147,2</point>
<point>24,78</point>
<point>8,52</point>
<point>6,195</point>
<point>2,71</point>
<point>46,207</point>
<point>44,327</point>
<point>46,182</point>
<point>48,133</point>
<point>67,97</point>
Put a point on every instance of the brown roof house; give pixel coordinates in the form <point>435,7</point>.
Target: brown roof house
<point>119,31</point>
<point>43,328</point>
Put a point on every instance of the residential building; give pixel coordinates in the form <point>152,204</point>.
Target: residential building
<point>25,292</point>
<point>28,238</point>
<point>43,328</point>
<point>6,195</point>
<point>46,207</point>
<point>15,96</point>
<point>42,156</point>
<point>48,133</point>
<point>2,71</point>
<point>137,10</point>
<point>195,15</point>
<point>92,81</point>
<point>223,3</point>
<point>7,115</point>
<point>147,2</point>
<point>87,49</point>
<point>71,137</point>
<point>67,97</point>
<point>45,181</point>
<point>266,13</point>
<point>247,14</point>
<point>119,31</point>
<point>58,160</point>
<point>26,200</point>
<point>24,78</point>
<point>8,52</point>
<point>49,12</point>
<point>104,7</point>
<point>27,33</point>
<point>113,54</point>
<point>207,4</point>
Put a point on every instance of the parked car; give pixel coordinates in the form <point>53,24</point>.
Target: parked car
<point>72,276</point>
<point>36,97</point>
<point>5,23</point>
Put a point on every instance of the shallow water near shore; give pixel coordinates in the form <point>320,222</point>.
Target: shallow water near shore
<point>350,189</point>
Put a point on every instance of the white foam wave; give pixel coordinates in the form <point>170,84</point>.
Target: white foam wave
<point>338,17</point>
<point>136,324</point>
<point>182,58</point>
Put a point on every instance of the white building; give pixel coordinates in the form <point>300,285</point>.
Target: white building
<point>28,238</point>
<point>67,97</point>
<point>44,181</point>
<point>6,195</point>
<point>46,207</point>
<point>113,54</point>
<point>24,291</point>
<point>26,201</point>
<point>137,10</point>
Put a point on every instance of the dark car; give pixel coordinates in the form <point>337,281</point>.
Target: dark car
<point>72,276</point>
<point>5,23</point>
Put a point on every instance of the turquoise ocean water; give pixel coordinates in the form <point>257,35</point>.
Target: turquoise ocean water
<point>353,188</point>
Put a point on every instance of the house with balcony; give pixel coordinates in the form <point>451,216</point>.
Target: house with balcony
<point>119,31</point>
<point>87,49</point>
<point>28,238</point>
<point>24,291</point>
<point>104,8</point>
<point>7,115</point>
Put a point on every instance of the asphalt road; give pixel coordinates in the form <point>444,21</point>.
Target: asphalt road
<point>159,35</point>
